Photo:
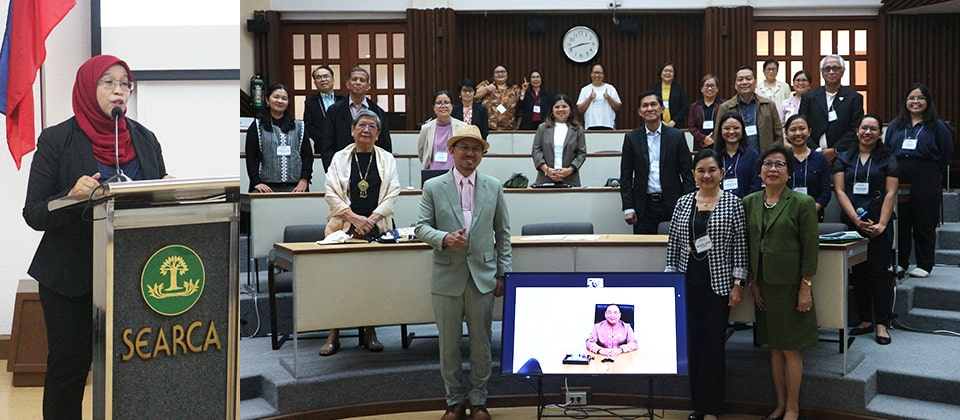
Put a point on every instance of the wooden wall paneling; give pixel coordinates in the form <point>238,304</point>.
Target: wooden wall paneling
<point>729,42</point>
<point>433,60</point>
<point>267,50</point>
<point>921,48</point>
<point>631,59</point>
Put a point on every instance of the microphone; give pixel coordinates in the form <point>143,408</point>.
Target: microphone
<point>861,212</point>
<point>116,113</point>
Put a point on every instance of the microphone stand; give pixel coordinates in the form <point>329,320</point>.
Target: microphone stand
<point>119,176</point>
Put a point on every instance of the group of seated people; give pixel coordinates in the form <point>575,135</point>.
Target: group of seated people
<point>742,212</point>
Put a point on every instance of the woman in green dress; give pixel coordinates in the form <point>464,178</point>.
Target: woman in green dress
<point>782,232</point>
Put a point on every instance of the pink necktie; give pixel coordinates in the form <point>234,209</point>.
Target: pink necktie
<point>466,202</point>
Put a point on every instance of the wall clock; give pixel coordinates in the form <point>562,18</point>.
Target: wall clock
<point>581,44</point>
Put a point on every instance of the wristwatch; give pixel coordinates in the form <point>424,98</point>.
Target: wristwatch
<point>807,282</point>
<point>738,282</point>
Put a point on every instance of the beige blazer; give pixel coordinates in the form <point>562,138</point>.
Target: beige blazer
<point>428,132</point>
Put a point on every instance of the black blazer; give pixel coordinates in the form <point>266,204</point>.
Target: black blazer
<point>313,116</point>
<point>335,134</point>
<point>479,117</point>
<point>64,259</point>
<point>678,102</point>
<point>676,177</point>
<point>842,133</point>
<point>526,109</point>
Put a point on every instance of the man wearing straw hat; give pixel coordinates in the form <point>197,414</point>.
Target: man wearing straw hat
<point>463,216</point>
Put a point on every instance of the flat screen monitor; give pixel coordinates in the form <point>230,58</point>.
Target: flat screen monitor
<point>426,174</point>
<point>549,317</point>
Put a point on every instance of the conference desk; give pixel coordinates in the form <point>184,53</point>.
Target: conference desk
<point>639,361</point>
<point>356,284</point>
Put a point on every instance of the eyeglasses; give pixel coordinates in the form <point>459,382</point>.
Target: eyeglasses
<point>832,69</point>
<point>597,72</point>
<point>467,149</point>
<point>778,165</point>
<point>364,126</point>
<point>113,83</point>
<point>916,98</point>
<point>869,128</point>
<point>323,77</point>
<point>799,80</point>
<point>442,103</point>
<point>709,86</point>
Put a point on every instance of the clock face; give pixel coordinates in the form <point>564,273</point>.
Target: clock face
<point>581,44</point>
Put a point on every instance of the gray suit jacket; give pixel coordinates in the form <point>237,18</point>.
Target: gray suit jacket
<point>574,152</point>
<point>488,253</point>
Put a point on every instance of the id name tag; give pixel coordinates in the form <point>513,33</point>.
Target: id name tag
<point>861,188</point>
<point>536,109</point>
<point>832,116</point>
<point>283,150</point>
<point>708,125</point>
<point>730,184</point>
<point>703,243</point>
<point>801,190</point>
<point>909,144</point>
<point>501,109</point>
<point>666,104</point>
<point>751,130</point>
<point>440,157</point>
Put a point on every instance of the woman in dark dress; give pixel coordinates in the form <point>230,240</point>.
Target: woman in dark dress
<point>708,242</point>
<point>468,110</point>
<point>534,102</point>
<point>866,180</point>
<point>923,146</point>
<point>72,158</point>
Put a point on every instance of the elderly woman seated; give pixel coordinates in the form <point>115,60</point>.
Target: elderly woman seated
<point>612,337</point>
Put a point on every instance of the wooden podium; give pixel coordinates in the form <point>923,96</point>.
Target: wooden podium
<point>165,298</point>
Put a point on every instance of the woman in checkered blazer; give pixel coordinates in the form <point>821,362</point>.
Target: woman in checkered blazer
<point>708,241</point>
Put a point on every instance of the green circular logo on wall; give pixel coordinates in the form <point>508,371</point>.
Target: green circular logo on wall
<point>172,280</point>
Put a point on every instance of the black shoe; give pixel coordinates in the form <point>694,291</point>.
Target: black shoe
<point>741,326</point>
<point>883,340</point>
<point>862,330</point>
<point>695,416</point>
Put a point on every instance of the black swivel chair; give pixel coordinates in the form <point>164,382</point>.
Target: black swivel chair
<point>282,282</point>
<point>626,313</point>
<point>558,228</point>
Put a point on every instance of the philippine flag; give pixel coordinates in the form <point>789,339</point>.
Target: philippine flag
<point>28,24</point>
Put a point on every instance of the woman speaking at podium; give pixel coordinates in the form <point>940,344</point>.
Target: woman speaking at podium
<point>71,158</point>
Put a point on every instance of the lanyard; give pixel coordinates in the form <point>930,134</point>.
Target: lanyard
<point>733,166</point>
<point>806,162</point>
<point>869,162</point>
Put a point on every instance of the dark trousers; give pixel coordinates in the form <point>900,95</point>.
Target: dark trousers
<point>873,282</point>
<point>918,218</point>
<point>707,315</point>
<point>654,213</point>
<point>69,322</point>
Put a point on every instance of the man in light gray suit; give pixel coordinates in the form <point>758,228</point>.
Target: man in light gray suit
<point>463,216</point>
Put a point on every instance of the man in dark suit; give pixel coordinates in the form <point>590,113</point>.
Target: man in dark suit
<point>655,168</point>
<point>315,108</point>
<point>336,133</point>
<point>833,111</point>
<point>463,216</point>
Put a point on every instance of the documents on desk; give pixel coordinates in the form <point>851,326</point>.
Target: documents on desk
<point>337,237</point>
<point>560,238</point>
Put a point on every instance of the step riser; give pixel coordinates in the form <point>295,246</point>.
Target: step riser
<point>919,388</point>
<point>946,300</point>
<point>951,207</point>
